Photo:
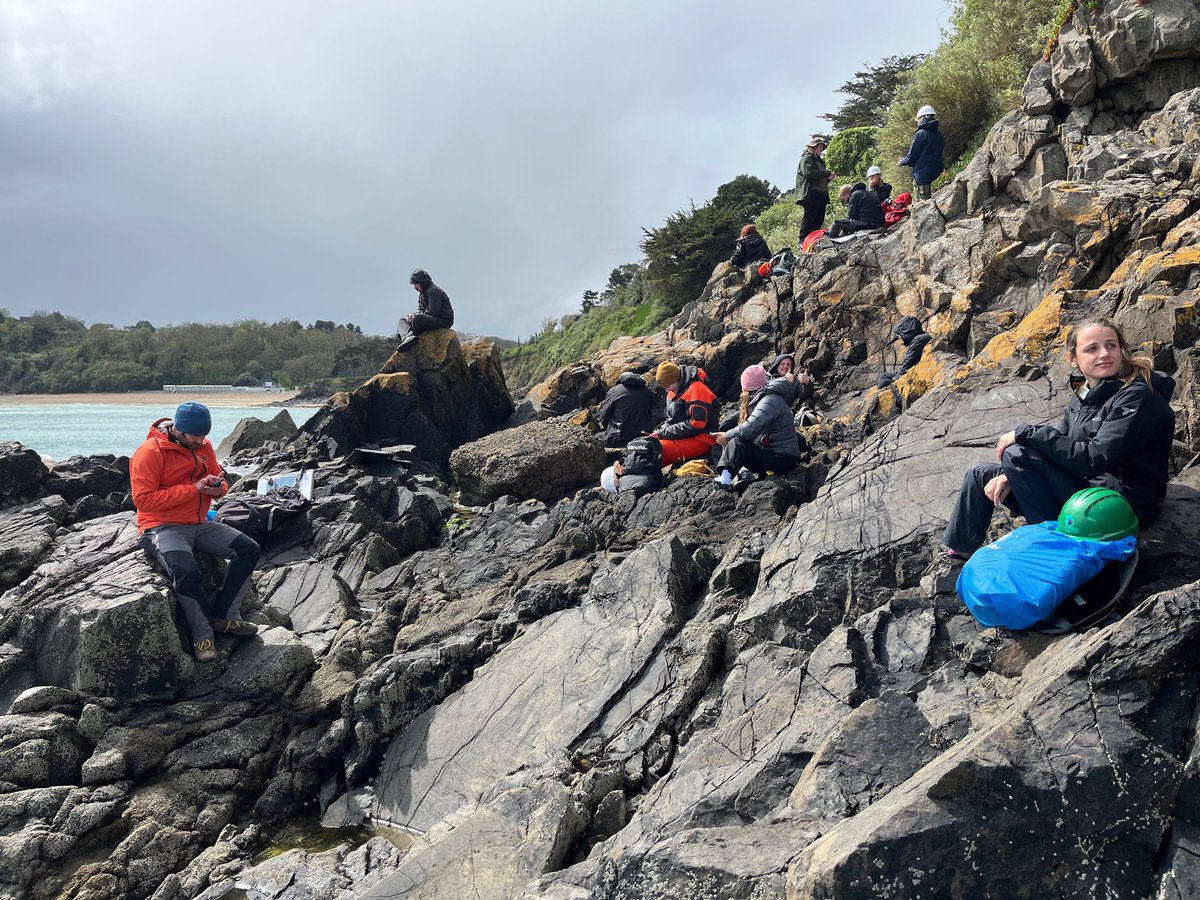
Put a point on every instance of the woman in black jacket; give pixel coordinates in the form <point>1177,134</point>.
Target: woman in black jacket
<point>750,247</point>
<point>1116,433</point>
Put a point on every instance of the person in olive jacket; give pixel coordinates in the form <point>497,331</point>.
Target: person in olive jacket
<point>433,310</point>
<point>812,187</point>
<point>1117,433</point>
<point>750,247</point>
<point>627,412</point>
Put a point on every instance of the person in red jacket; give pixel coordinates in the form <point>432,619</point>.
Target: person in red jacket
<point>692,414</point>
<point>175,476</point>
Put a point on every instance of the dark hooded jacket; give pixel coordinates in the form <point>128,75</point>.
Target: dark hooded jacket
<point>435,302</point>
<point>865,206</point>
<point>770,421</point>
<point>751,248</point>
<point>693,411</point>
<point>925,154</point>
<point>800,391</point>
<point>913,336</point>
<point>882,191</point>
<point>1118,435</point>
<point>626,413</point>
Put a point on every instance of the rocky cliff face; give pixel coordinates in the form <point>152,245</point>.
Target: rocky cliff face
<point>693,693</point>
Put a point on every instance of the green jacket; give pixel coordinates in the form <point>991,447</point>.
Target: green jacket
<point>811,176</point>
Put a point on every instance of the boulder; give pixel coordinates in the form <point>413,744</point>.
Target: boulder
<point>436,396</point>
<point>26,534</point>
<point>22,474</point>
<point>85,476</point>
<point>251,433</point>
<point>541,460</point>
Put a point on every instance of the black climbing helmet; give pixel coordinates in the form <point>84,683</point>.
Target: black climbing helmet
<point>421,277</point>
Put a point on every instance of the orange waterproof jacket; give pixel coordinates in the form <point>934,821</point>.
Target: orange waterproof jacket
<point>693,411</point>
<point>163,475</point>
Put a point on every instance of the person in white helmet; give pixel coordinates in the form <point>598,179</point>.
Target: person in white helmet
<point>925,154</point>
<point>877,186</point>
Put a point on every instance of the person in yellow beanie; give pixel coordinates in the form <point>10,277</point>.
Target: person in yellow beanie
<point>692,413</point>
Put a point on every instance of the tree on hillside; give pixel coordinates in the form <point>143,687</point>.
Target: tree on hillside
<point>851,152</point>
<point>681,255</point>
<point>590,299</point>
<point>871,92</point>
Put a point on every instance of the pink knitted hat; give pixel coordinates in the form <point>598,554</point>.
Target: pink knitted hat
<point>754,379</point>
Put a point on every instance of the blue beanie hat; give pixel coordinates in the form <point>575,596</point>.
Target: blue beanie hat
<point>193,418</point>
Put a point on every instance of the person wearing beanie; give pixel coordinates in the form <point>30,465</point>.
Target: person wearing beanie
<point>750,248</point>
<point>692,413</point>
<point>433,311</point>
<point>628,410</point>
<point>765,439</point>
<point>175,476</point>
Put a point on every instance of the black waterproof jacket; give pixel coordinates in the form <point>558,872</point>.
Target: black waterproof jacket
<point>751,248</point>
<point>433,301</point>
<point>626,413</point>
<point>864,207</point>
<point>913,336</point>
<point>1118,435</point>
<point>882,191</point>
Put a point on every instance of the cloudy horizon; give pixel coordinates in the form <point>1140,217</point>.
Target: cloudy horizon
<point>185,162</point>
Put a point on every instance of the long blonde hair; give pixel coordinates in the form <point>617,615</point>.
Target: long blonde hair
<point>1132,366</point>
<point>744,407</point>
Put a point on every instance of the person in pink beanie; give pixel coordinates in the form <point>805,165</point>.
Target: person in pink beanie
<point>765,439</point>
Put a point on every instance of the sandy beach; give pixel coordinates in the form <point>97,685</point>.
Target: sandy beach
<point>150,398</point>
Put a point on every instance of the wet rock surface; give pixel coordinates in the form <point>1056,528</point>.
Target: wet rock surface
<point>692,693</point>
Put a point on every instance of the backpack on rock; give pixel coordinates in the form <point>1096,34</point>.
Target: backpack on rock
<point>259,514</point>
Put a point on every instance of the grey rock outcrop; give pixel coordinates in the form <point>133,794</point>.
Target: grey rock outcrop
<point>539,461</point>
<point>252,433</point>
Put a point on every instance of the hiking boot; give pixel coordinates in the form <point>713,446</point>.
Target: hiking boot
<point>205,651</point>
<point>942,575</point>
<point>405,344</point>
<point>236,627</point>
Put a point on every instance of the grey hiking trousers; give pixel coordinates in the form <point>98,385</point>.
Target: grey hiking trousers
<point>174,547</point>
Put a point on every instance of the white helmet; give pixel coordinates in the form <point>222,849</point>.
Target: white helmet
<point>924,111</point>
<point>608,480</point>
<point>874,170</point>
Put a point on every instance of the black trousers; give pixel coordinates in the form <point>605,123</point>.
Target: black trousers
<point>740,452</point>
<point>843,227</point>
<point>418,323</point>
<point>1039,490</point>
<point>814,213</point>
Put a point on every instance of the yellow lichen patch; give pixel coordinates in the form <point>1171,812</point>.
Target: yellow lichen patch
<point>961,301</point>
<point>1183,258</point>
<point>340,401</point>
<point>400,382</point>
<point>1185,313</point>
<point>885,401</point>
<point>833,298</point>
<point>1034,336</point>
<point>921,378</point>
<point>1128,265</point>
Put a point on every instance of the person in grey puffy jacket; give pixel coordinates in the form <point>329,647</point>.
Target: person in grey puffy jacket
<point>766,440</point>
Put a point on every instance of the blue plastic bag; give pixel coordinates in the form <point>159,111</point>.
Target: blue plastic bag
<point>1019,580</point>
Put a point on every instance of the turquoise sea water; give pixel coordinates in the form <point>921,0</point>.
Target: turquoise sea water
<point>81,429</point>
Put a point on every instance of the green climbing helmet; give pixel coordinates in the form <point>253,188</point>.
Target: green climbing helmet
<point>1097,514</point>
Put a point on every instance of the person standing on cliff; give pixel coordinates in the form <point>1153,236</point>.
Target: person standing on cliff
<point>812,186</point>
<point>433,311</point>
<point>175,476</point>
<point>925,154</point>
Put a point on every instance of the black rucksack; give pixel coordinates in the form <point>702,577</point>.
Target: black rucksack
<point>259,514</point>
<point>641,466</point>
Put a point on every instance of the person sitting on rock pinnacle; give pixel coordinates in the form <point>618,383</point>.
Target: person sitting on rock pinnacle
<point>627,412</point>
<point>913,336</point>
<point>925,154</point>
<point>877,186</point>
<point>174,475</point>
<point>865,213</point>
<point>812,187</point>
<point>765,438</point>
<point>433,311</point>
<point>1117,433</point>
<point>783,368</point>
<point>750,248</point>
<point>692,413</point>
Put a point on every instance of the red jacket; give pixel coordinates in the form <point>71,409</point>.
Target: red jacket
<point>694,411</point>
<point>163,475</point>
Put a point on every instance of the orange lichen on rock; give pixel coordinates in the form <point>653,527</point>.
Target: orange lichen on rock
<point>1036,334</point>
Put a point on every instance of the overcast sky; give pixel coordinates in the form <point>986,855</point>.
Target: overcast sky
<point>212,160</point>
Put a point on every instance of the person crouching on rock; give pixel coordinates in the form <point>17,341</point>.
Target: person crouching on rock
<point>433,311</point>
<point>1116,433</point>
<point>765,439</point>
<point>750,248</point>
<point>692,413</point>
<point>627,412</point>
<point>175,476</point>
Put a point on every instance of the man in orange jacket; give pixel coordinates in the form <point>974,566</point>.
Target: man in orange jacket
<point>175,476</point>
<point>692,413</point>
